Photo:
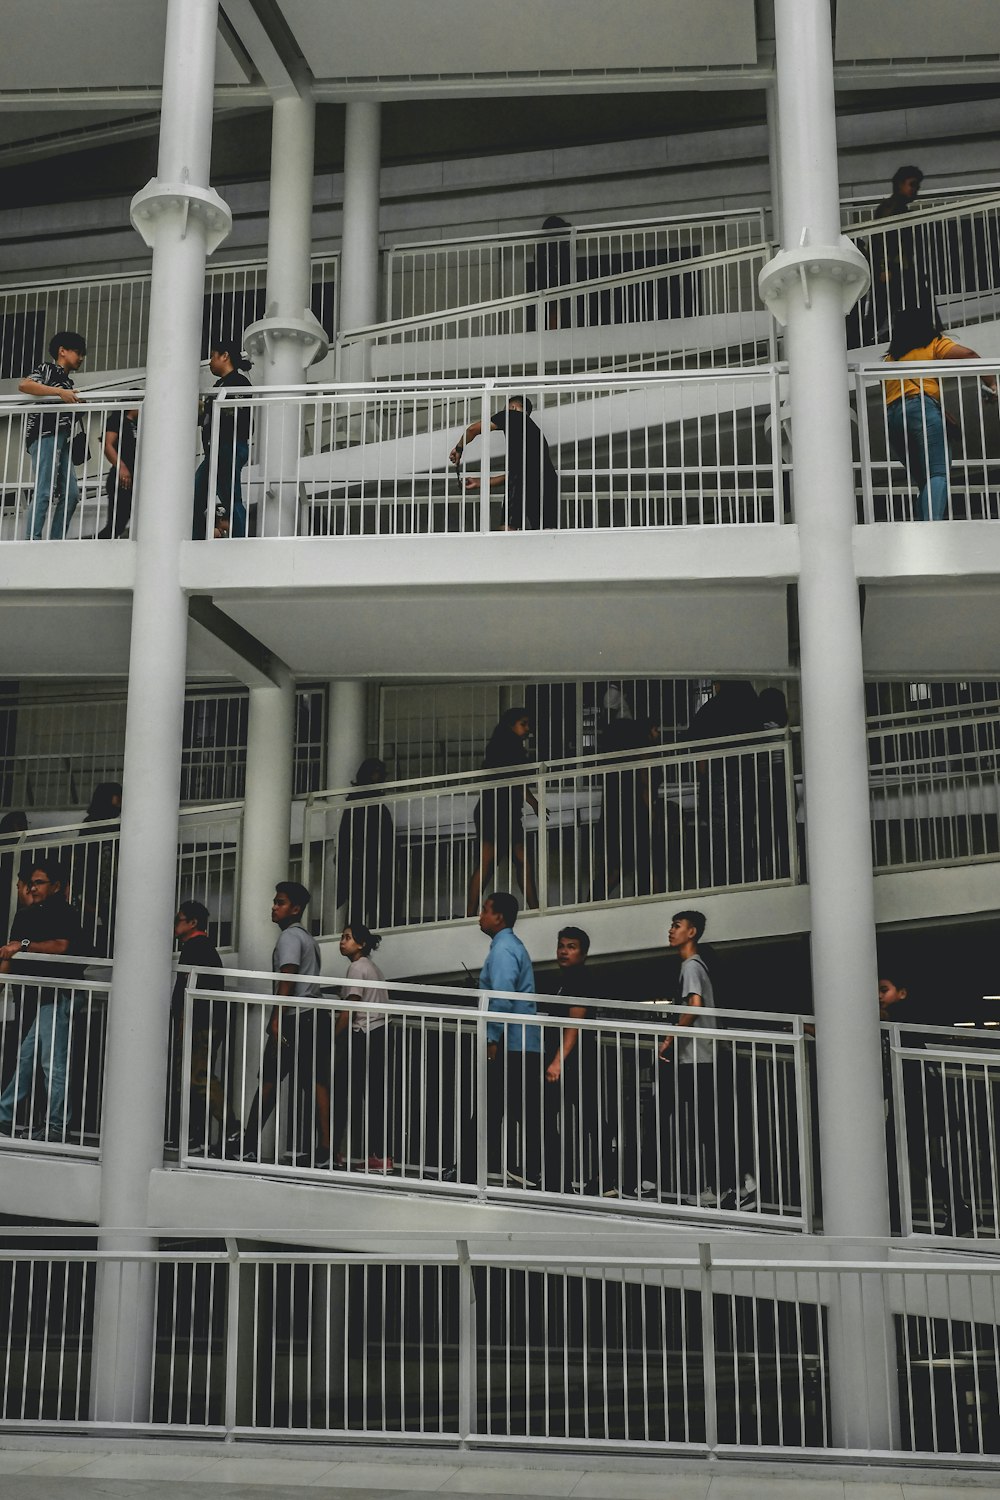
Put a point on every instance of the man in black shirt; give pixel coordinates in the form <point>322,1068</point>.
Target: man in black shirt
<point>119,447</point>
<point>47,925</point>
<point>208,1029</point>
<point>578,1142</point>
<point>233,447</point>
<point>531,480</point>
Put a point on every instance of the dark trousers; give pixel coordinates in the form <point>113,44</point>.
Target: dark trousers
<point>695,1108</point>
<point>363,1065</point>
<point>523,1096</point>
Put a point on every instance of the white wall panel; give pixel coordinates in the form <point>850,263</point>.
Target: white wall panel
<point>405,37</point>
<point>62,44</point>
<point>917,28</point>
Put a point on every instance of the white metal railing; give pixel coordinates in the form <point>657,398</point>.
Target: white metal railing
<point>55,750</point>
<point>429,276</point>
<point>860,210</point>
<point>929,459</point>
<point>687,448</point>
<point>112,312</point>
<point>701,312</point>
<point>208,855</point>
<point>52,1036</point>
<point>947,257</point>
<point>592,830</point>
<point>66,487</point>
<point>935,792</point>
<point>945,1084</point>
<point>452,1096</point>
<point>524,1346</point>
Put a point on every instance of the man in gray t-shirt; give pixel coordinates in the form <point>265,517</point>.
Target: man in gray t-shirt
<point>694,1087</point>
<point>297,1039</point>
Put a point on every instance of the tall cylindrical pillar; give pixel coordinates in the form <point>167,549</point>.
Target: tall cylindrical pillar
<point>266,815</point>
<point>359,256</point>
<point>181,218</point>
<point>286,341</point>
<point>835,756</point>
<point>346,748</point>
<point>818,276</point>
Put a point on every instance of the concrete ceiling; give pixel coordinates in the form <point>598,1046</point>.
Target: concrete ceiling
<point>401,37</point>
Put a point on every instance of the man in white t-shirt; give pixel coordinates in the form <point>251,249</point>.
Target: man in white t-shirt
<point>299,1040</point>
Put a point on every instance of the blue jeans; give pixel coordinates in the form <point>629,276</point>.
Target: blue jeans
<point>46,1043</point>
<point>917,438</point>
<point>55,483</point>
<point>229,488</point>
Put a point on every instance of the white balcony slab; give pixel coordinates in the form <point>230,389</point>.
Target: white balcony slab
<point>550,603</point>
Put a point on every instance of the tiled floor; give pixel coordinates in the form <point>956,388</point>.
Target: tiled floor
<point>81,1470</point>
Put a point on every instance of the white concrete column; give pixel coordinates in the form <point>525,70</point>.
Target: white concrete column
<point>289,338</point>
<point>835,754</point>
<point>359,302</point>
<point>774,159</point>
<point>812,284</point>
<point>267,809</point>
<point>182,219</point>
<point>346,748</point>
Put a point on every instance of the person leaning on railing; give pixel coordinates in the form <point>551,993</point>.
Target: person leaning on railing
<point>530,477</point>
<point>915,418</point>
<point>49,435</point>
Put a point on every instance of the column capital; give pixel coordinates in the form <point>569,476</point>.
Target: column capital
<point>842,264</point>
<point>160,200</point>
<point>260,338</point>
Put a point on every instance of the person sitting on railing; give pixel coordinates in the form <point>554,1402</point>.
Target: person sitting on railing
<point>365,1065</point>
<point>227,363</point>
<point>47,925</point>
<point>208,1031</point>
<point>299,1041</point>
<point>930,1133</point>
<point>366,851</point>
<point>48,437</point>
<point>915,418</point>
<point>120,444</point>
<point>530,477</point>
<point>514,1052</point>
<point>498,814</point>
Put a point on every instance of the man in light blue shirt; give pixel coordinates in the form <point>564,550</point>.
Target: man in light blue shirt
<point>514,1052</point>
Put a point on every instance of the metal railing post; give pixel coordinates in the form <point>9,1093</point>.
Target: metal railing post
<point>184,1081</point>
<point>232,1335</point>
<point>542,872</point>
<point>708,1348</point>
<point>864,448</point>
<point>804,1124</point>
<point>467,1362</point>
<point>484,462</point>
<point>901,1141</point>
<point>482,1101</point>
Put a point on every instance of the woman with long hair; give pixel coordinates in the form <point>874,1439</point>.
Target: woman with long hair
<point>915,418</point>
<point>499,813</point>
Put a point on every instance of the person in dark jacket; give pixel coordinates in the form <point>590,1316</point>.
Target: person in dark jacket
<point>498,814</point>
<point>95,866</point>
<point>227,364</point>
<point>366,851</point>
<point>727,786</point>
<point>208,1031</point>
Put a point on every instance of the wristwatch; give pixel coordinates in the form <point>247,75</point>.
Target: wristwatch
<point>25,943</point>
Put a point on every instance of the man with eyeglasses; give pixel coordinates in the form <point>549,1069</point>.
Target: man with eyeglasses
<point>47,925</point>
